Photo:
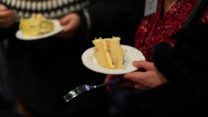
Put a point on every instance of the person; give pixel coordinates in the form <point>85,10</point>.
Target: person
<point>41,72</point>
<point>171,81</point>
<point>4,113</point>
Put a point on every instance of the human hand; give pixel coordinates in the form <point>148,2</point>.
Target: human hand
<point>144,80</point>
<point>139,80</point>
<point>6,17</point>
<point>71,23</point>
<point>122,83</point>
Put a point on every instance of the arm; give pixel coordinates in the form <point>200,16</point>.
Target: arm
<point>184,67</point>
<point>103,18</point>
<point>6,20</point>
<point>177,79</point>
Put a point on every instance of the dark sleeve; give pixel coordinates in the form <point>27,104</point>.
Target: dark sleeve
<point>185,67</point>
<point>115,18</point>
<point>83,32</point>
<point>6,33</point>
<point>3,33</point>
<point>5,113</point>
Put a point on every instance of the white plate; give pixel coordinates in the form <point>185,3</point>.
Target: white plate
<point>58,28</point>
<point>130,54</point>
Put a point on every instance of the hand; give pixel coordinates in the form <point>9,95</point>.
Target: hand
<point>150,78</point>
<point>6,17</point>
<point>71,23</point>
<point>139,80</point>
<point>123,83</point>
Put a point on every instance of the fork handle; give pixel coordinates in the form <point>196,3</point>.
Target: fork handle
<point>107,83</point>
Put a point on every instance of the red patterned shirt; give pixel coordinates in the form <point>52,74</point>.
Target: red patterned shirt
<point>158,28</point>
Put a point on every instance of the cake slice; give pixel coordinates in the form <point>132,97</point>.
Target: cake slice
<point>108,53</point>
<point>36,25</point>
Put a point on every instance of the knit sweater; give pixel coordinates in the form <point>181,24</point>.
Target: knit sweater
<point>51,8</point>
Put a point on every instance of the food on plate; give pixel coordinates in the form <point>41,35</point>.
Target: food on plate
<point>109,53</point>
<point>36,25</point>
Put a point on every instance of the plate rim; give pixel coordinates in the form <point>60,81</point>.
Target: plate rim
<point>27,38</point>
<point>110,71</point>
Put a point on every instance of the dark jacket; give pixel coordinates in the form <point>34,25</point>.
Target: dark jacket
<point>41,72</point>
<point>184,66</point>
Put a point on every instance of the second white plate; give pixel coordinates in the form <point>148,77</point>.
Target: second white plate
<point>130,54</point>
<point>58,28</point>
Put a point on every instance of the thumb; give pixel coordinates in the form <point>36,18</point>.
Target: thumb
<point>143,65</point>
<point>64,20</point>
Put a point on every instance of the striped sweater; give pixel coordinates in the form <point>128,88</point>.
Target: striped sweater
<point>49,8</point>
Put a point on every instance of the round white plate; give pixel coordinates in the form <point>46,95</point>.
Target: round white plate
<point>130,54</point>
<point>58,28</point>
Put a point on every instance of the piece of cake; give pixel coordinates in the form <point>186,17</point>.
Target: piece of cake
<point>36,25</point>
<point>108,53</point>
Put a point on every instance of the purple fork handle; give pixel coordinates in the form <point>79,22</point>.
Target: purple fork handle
<point>107,83</point>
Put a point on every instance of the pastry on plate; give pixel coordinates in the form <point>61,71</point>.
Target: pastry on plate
<point>37,25</point>
<point>109,53</point>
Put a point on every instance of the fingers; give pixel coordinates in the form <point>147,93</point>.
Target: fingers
<point>71,23</point>
<point>123,83</point>
<point>6,17</point>
<point>140,87</point>
<point>64,20</point>
<point>107,79</point>
<point>68,28</point>
<point>135,76</point>
<point>4,12</point>
<point>143,65</point>
<point>141,80</point>
<point>128,82</point>
<point>3,8</point>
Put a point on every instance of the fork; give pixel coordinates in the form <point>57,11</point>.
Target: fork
<point>85,88</point>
